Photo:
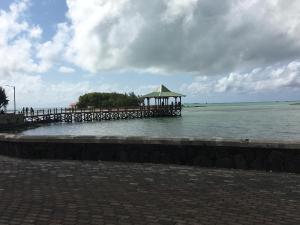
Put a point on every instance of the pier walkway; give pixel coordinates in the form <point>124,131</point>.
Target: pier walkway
<point>85,115</point>
<point>83,192</point>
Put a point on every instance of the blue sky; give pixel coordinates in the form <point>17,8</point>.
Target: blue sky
<point>226,51</point>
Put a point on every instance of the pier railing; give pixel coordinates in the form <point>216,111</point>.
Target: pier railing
<point>98,114</point>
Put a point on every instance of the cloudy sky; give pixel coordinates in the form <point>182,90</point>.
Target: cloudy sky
<point>214,51</point>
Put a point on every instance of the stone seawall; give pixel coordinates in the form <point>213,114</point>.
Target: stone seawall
<point>243,154</point>
<point>8,121</point>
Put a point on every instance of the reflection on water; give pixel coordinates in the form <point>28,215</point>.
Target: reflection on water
<point>245,120</point>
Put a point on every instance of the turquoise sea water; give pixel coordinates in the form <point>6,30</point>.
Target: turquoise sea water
<point>265,120</point>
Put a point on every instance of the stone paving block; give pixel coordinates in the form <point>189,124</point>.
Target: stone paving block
<point>74,192</point>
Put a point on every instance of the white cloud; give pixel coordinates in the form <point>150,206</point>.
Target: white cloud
<point>284,77</point>
<point>201,85</point>
<point>198,36</point>
<point>9,24</point>
<point>64,69</point>
<point>102,31</point>
<point>23,57</point>
<point>17,43</point>
<point>61,94</point>
<point>268,79</point>
<point>35,32</point>
<point>34,91</point>
<point>52,51</point>
<point>276,78</point>
<point>179,9</point>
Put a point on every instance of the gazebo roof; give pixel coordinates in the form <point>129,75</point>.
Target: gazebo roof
<point>162,92</point>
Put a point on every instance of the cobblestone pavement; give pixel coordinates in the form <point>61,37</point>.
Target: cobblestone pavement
<point>73,192</point>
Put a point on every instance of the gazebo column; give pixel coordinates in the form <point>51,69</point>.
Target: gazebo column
<point>148,103</point>
<point>180,102</point>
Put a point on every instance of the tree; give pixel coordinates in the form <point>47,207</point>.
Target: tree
<point>107,100</point>
<point>3,99</point>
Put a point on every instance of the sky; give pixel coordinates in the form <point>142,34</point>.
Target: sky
<point>53,51</point>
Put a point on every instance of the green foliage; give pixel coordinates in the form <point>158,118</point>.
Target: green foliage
<point>107,100</point>
<point>3,98</point>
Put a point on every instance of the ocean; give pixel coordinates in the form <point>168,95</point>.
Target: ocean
<point>259,121</point>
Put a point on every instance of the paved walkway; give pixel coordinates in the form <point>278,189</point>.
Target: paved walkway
<point>73,192</point>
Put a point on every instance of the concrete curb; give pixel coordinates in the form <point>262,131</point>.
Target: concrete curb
<point>188,141</point>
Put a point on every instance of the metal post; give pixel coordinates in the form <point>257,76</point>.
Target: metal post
<point>15,106</point>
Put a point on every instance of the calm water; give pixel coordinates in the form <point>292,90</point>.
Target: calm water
<point>278,121</point>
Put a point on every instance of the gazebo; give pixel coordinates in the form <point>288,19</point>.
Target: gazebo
<point>162,97</point>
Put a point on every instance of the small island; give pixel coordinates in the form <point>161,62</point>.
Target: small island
<point>108,100</point>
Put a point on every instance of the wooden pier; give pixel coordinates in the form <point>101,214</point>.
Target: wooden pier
<point>70,115</point>
<point>161,107</point>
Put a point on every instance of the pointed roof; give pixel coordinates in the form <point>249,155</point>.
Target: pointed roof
<point>162,91</point>
<point>162,88</point>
